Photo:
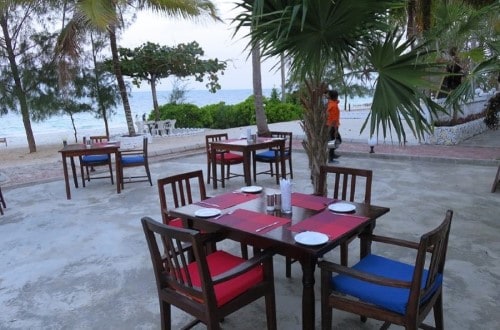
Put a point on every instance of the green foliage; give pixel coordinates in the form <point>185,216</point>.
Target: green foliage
<point>222,115</point>
<point>187,115</point>
<point>152,62</point>
<point>277,111</point>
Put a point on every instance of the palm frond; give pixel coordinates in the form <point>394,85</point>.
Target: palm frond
<point>403,76</point>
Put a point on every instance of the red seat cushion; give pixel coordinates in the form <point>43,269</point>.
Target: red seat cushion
<point>220,262</point>
<point>177,222</point>
<point>230,157</point>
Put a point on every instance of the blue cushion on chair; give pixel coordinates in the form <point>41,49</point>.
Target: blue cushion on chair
<point>95,158</point>
<point>394,299</point>
<point>133,159</point>
<point>268,155</point>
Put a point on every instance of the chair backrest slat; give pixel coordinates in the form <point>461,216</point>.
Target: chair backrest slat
<point>181,189</point>
<point>345,182</point>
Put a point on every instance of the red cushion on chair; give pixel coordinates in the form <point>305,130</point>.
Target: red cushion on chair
<point>220,262</point>
<point>177,222</point>
<point>229,157</point>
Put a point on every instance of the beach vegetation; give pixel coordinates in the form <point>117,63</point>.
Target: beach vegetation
<point>222,115</point>
<point>318,35</point>
<point>28,77</point>
<point>108,16</point>
<point>152,62</point>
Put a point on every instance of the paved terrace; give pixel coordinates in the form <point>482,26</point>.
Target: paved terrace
<point>84,264</point>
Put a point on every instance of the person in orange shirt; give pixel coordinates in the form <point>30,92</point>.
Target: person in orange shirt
<point>333,121</point>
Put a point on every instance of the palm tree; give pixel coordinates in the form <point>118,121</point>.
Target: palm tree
<point>106,15</point>
<point>316,34</point>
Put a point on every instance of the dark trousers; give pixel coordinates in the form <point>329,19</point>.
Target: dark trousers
<point>334,134</point>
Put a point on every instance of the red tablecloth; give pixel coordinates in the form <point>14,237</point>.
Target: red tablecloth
<point>227,200</point>
<point>332,224</point>
<point>311,202</point>
<point>251,221</point>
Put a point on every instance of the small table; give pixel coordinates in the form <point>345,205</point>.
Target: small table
<point>281,239</point>
<point>246,147</point>
<point>76,150</point>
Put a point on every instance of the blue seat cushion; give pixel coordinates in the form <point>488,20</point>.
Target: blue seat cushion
<point>391,298</point>
<point>133,160</point>
<point>95,158</point>
<point>269,155</point>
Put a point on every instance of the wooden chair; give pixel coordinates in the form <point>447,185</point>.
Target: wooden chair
<point>181,188</point>
<point>3,205</point>
<point>88,162</point>
<point>135,155</point>
<point>389,290</point>
<point>344,188</point>
<point>273,157</point>
<point>223,157</point>
<point>211,287</point>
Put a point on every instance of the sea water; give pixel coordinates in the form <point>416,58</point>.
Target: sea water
<point>57,128</point>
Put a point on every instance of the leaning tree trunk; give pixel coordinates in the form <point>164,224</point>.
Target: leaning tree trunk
<point>18,85</point>
<point>260,114</point>
<point>314,125</point>
<point>156,108</point>
<point>121,81</point>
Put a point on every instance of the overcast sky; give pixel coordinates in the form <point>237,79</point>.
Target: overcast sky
<point>215,38</point>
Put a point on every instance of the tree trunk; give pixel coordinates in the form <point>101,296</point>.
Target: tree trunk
<point>283,78</point>
<point>121,81</point>
<point>411,30</point>
<point>260,114</point>
<point>314,124</point>
<point>18,86</point>
<point>155,98</point>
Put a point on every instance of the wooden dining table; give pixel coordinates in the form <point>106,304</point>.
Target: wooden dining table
<point>244,219</point>
<point>246,147</point>
<point>75,150</point>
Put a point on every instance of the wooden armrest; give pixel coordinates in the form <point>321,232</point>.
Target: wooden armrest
<point>331,267</point>
<point>391,240</point>
<point>242,268</point>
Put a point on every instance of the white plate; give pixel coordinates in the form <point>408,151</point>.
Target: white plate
<point>251,189</point>
<point>342,207</point>
<point>311,238</point>
<point>207,213</point>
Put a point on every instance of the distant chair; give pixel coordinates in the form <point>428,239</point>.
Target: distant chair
<point>214,285</point>
<point>2,202</point>
<point>222,157</point>
<point>390,290</point>
<point>88,162</point>
<point>273,157</point>
<point>3,140</point>
<point>134,153</point>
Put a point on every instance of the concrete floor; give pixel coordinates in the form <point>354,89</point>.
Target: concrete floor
<point>84,263</point>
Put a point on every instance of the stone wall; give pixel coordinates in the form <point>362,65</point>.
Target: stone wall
<point>450,135</point>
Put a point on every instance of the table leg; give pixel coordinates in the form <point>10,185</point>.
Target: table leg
<point>246,167</point>
<point>308,314</point>
<point>365,245</point>
<point>118,172</point>
<point>66,177</point>
<point>73,171</point>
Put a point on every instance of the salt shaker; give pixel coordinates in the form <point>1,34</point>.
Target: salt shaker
<point>270,202</point>
<point>277,201</point>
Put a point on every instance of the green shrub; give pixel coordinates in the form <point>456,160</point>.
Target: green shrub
<point>187,115</point>
<point>278,112</point>
<point>223,116</point>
